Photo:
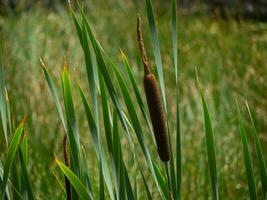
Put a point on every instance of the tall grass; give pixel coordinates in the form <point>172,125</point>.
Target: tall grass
<point>14,178</point>
<point>113,171</point>
<point>120,130</point>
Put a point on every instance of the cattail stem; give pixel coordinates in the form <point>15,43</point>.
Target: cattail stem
<point>168,176</point>
<point>154,103</point>
<point>67,163</point>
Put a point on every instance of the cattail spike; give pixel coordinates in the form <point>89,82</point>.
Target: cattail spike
<point>154,103</point>
<point>142,46</point>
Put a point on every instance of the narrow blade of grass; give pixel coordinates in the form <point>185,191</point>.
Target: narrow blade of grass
<point>105,112</point>
<point>100,153</point>
<point>54,94</point>
<point>75,182</point>
<point>135,122</point>
<point>101,183</point>
<point>25,175</point>
<point>12,149</point>
<point>247,157</point>
<point>148,193</point>
<point>260,156</point>
<point>3,106</point>
<point>14,179</point>
<point>85,170</point>
<point>156,49</point>
<point>161,181</point>
<point>110,86</point>
<point>130,192</point>
<point>210,145</point>
<point>136,90</point>
<point>119,164</point>
<point>72,132</point>
<point>178,131</point>
<point>90,72</point>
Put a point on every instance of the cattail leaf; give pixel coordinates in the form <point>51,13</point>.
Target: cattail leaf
<point>119,163</point>
<point>106,174</point>
<point>161,181</point>
<point>78,28</point>
<point>3,106</point>
<point>260,156</point>
<point>86,172</point>
<point>172,172</point>
<point>24,148</point>
<point>135,121</point>
<point>119,171</point>
<point>14,180</point>
<point>131,110</point>
<point>90,72</point>
<point>131,193</point>
<point>54,94</point>
<point>90,120</point>
<point>136,91</point>
<point>100,153</point>
<point>149,196</point>
<point>247,157</point>
<point>178,131</point>
<point>105,112</point>
<point>135,188</point>
<point>156,49</point>
<point>75,182</point>
<point>26,181</point>
<point>174,39</point>
<point>101,183</point>
<point>210,145</point>
<point>72,132</point>
<point>110,86</point>
<point>11,152</point>
<point>8,112</point>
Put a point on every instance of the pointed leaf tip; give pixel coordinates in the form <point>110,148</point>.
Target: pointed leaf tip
<point>42,63</point>
<point>65,65</point>
<point>23,121</point>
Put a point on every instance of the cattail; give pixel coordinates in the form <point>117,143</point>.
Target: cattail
<point>67,163</point>
<point>154,102</point>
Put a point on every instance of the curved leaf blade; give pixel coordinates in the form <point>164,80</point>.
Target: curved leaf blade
<point>75,181</point>
<point>210,146</point>
<point>247,157</point>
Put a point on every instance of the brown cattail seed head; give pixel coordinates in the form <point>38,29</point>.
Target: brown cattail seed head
<point>157,116</point>
<point>154,103</point>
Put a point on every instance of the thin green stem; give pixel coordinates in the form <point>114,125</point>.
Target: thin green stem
<point>168,176</point>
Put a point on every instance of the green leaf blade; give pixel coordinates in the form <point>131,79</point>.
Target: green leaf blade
<point>75,182</point>
<point>156,49</point>
<point>260,156</point>
<point>247,158</point>
<point>210,146</point>
<point>12,149</point>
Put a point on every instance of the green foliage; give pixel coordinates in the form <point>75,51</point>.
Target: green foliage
<point>126,164</point>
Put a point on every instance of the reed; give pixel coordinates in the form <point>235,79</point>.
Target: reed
<point>154,103</point>
<point>67,163</point>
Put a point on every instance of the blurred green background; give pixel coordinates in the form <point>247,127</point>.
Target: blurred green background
<point>230,53</point>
